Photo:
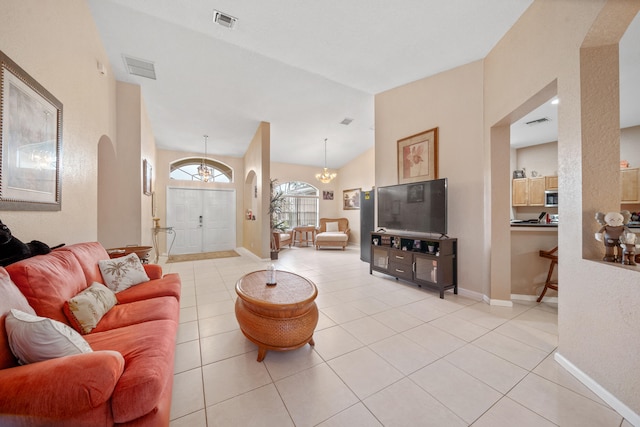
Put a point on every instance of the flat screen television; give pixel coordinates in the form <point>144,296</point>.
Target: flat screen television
<point>419,206</point>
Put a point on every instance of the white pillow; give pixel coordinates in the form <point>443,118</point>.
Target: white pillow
<point>34,339</point>
<point>122,273</point>
<point>332,227</point>
<point>86,309</point>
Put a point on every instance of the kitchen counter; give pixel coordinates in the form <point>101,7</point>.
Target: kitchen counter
<point>528,269</point>
<point>532,226</point>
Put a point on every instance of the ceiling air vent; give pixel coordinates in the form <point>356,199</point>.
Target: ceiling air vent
<point>223,19</point>
<point>538,121</point>
<point>140,67</point>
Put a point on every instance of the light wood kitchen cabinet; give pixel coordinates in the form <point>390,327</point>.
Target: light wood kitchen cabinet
<point>530,191</point>
<point>520,192</point>
<point>536,191</point>
<point>629,185</point>
<point>551,182</point>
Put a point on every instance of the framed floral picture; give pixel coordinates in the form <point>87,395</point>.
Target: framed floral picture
<point>418,157</point>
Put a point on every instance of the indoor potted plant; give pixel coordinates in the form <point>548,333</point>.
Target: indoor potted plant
<point>277,225</point>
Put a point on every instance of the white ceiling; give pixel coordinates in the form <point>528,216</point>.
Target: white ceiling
<point>302,66</point>
<point>523,135</point>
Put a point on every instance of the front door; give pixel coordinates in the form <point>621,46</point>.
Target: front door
<point>203,220</point>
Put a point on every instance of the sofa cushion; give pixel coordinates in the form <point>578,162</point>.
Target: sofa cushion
<point>34,339</point>
<point>121,315</point>
<point>332,227</point>
<point>123,272</point>
<point>61,392</point>
<point>85,310</point>
<point>167,286</point>
<point>48,281</point>
<point>148,349</point>
<point>328,236</point>
<point>88,254</point>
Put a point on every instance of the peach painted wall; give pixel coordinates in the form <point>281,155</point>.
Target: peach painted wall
<point>630,146</point>
<point>542,158</point>
<point>575,45</point>
<point>121,173</point>
<point>257,159</point>
<point>127,179</point>
<point>451,101</point>
<point>147,151</point>
<point>285,172</point>
<point>57,43</point>
<point>359,173</point>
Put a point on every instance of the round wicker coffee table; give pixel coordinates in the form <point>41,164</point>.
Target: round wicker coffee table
<point>281,317</point>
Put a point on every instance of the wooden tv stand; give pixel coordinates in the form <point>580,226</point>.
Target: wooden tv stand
<point>427,261</point>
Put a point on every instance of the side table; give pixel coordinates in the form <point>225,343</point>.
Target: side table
<point>302,233</point>
<point>280,317</point>
<point>168,231</point>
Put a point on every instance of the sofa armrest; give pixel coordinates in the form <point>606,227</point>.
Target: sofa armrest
<point>154,271</point>
<point>60,387</point>
<point>347,231</point>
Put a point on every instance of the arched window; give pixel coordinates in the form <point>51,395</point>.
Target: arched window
<point>301,204</point>
<point>187,170</point>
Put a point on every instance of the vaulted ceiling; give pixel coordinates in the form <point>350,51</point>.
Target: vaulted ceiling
<point>302,66</point>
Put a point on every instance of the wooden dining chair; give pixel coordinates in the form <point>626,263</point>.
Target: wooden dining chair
<point>550,284</point>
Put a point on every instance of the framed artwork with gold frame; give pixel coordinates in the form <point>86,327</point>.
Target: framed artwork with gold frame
<point>351,199</point>
<point>418,157</point>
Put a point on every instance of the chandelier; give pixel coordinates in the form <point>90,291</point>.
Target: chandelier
<point>204,172</point>
<point>325,177</point>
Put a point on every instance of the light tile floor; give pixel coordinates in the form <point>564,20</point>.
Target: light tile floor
<point>387,353</point>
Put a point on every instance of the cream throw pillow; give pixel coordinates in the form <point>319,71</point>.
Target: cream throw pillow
<point>332,227</point>
<point>122,273</point>
<point>86,309</point>
<point>34,339</point>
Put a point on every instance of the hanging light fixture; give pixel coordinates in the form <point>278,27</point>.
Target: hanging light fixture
<point>325,177</point>
<point>203,170</point>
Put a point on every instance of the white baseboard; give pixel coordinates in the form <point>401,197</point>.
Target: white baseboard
<point>497,302</point>
<point>522,297</point>
<point>470,294</point>
<point>600,391</point>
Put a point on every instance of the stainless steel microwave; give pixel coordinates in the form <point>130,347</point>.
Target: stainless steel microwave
<point>551,198</point>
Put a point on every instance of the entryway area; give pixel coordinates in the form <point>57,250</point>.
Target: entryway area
<point>204,220</point>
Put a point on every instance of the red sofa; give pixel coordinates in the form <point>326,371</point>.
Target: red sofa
<point>126,380</point>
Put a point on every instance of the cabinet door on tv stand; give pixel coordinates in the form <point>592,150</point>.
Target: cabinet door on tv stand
<point>379,258</point>
<point>435,270</point>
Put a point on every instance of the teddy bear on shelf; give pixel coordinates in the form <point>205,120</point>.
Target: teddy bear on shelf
<point>613,228</point>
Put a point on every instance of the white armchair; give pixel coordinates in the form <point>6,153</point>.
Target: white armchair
<point>333,232</point>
